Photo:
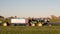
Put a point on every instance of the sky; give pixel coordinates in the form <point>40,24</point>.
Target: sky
<point>32,8</point>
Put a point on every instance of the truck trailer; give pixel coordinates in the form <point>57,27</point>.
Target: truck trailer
<point>19,21</point>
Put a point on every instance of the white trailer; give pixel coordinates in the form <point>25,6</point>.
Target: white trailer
<point>19,21</point>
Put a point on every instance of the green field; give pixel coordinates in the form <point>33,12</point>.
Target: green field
<point>30,30</point>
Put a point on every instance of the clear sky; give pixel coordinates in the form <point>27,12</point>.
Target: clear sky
<point>29,7</point>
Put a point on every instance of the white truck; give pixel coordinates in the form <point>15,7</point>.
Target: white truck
<point>19,21</point>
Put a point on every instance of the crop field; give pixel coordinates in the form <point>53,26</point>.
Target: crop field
<point>29,30</point>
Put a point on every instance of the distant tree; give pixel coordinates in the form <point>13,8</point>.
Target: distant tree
<point>11,17</point>
<point>1,18</point>
<point>58,18</point>
<point>15,16</point>
<point>53,18</point>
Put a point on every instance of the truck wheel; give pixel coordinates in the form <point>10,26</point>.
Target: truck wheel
<point>32,24</point>
<point>39,24</point>
<point>4,24</point>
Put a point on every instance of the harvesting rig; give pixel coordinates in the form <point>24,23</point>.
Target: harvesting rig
<point>26,21</point>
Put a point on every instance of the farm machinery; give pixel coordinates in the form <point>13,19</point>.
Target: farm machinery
<point>39,22</point>
<point>26,21</point>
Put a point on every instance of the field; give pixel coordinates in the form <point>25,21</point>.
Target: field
<point>29,30</point>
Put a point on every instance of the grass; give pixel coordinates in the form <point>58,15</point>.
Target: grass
<point>29,30</point>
